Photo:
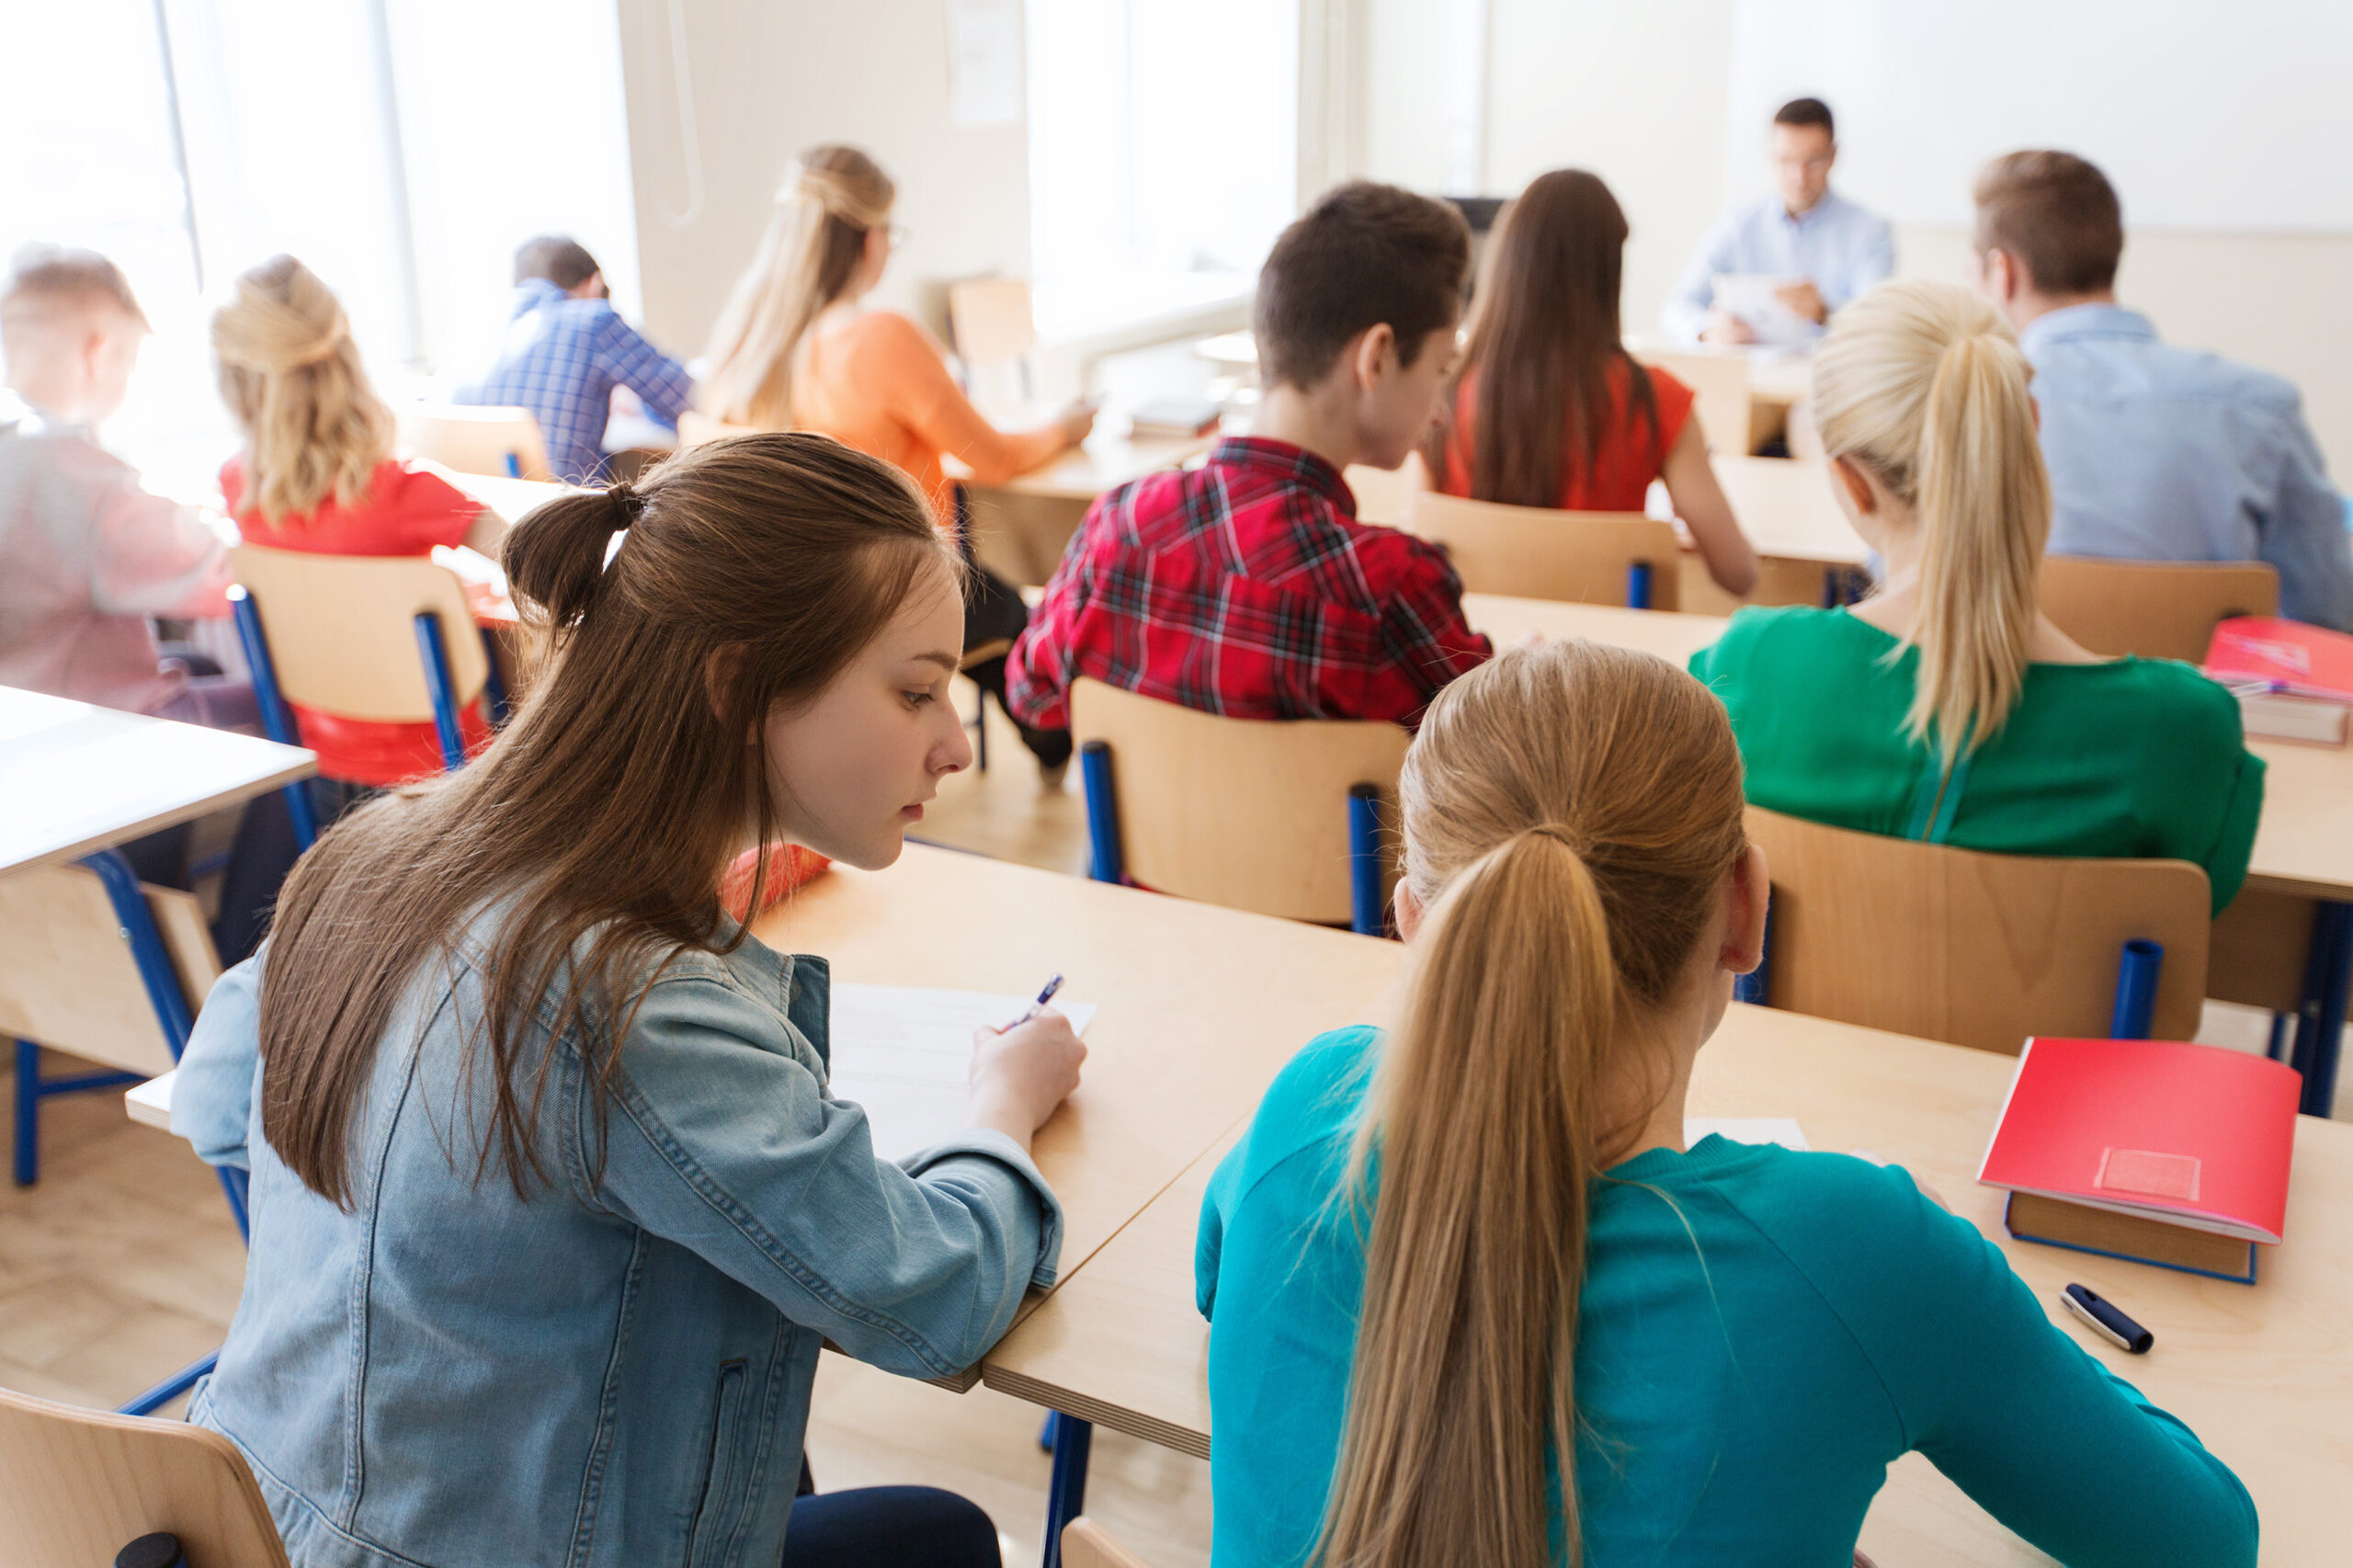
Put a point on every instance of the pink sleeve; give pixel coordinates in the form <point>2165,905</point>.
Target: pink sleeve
<point>153,556</point>
<point>434,511</point>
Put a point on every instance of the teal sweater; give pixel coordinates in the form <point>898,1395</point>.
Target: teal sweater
<point>1762,1333</point>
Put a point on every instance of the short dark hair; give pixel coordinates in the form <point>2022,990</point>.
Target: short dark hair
<point>560,259</point>
<point>1365,253</point>
<point>2056,215</point>
<point>1807,111</point>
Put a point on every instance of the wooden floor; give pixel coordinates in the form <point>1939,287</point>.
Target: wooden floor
<point>123,1266</point>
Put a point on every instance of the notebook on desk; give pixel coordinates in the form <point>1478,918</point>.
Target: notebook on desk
<point>905,1054</point>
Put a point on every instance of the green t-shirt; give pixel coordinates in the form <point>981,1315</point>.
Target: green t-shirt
<point>2135,758</point>
<point>1762,1333</point>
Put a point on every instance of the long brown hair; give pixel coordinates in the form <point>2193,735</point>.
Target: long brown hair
<point>1570,812</point>
<point>1545,340</point>
<point>607,809</point>
<point>833,198</point>
<point>1923,384</point>
<point>291,373</point>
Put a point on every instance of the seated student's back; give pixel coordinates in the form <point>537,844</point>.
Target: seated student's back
<point>318,475</point>
<point>1948,708</point>
<point>1439,1258</point>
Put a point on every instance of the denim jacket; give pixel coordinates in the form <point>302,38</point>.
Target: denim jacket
<point>615,1372</point>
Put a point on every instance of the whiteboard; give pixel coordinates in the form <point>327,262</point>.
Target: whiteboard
<point>2205,114</point>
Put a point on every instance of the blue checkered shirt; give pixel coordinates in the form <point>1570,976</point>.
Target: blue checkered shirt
<point>562,359</point>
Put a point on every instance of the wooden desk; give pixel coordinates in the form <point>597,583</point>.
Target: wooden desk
<point>2263,1373</point>
<point>510,498</point>
<point>1785,508</point>
<point>75,778</point>
<point>1019,528</point>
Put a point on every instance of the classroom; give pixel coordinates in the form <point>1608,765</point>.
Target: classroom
<point>1105,784</point>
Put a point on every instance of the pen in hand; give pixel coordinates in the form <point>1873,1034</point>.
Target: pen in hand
<point>1045,995</point>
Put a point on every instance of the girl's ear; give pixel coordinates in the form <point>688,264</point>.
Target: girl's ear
<point>1848,475</point>
<point>1751,896</point>
<point>720,673</point>
<point>1409,910</point>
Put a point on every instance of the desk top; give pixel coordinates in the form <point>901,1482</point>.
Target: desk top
<point>1785,507</point>
<point>2264,1374</point>
<point>1104,462</point>
<point>510,498</point>
<point>76,777</point>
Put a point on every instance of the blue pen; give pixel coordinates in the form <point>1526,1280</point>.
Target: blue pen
<point>1044,996</point>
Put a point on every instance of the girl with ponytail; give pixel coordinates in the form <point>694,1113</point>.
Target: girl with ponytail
<point>318,474</point>
<point>551,1207</point>
<point>1473,1300</point>
<point>1947,707</point>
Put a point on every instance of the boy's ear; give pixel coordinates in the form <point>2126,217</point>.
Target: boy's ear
<point>1375,354</point>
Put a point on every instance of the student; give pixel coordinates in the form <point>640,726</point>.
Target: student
<point>88,556</point>
<point>794,348</point>
<point>1948,708</point>
<point>551,1209</point>
<point>318,474</point>
<point>1247,586</point>
<point>1439,1260</point>
<point>2156,453</point>
<point>567,350</point>
<point>1548,409</point>
<point>1804,230</point>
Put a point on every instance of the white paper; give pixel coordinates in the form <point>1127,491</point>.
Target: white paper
<point>1781,1129</point>
<point>906,1055</point>
<point>1750,296</point>
<point>984,63</point>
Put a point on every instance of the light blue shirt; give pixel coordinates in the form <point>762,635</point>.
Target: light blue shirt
<point>1843,249</point>
<point>2159,453</point>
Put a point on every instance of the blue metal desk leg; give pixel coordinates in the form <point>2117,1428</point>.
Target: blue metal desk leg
<point>1066,1497</point>
<point>2320,1023</point>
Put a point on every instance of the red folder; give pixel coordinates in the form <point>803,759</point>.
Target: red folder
<point>2286,655</point>
<point>2192,1135</point>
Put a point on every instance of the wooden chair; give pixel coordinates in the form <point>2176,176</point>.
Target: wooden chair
<point>2159,609</point>
<point>1720,382</point>
<point>990,321</point>
<point>1087,1544</point>
<point>1535,552</point>
<point>1973,948</point>
<point>502,442</point>
<point>1382,494</point>
<point>383,638</point>
<point>76,1486</point>
<point>1278,817</point>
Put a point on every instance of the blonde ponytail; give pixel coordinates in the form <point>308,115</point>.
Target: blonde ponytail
<point>1923,384</point>
<point>834,197</point>
<point>1570,812</point>
<point>290,374</point>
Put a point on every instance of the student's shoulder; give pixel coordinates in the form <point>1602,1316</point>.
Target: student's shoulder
<point>413,487</point>
<point>1316,1098</point>
<point>886,334</point>
<point>1823,1210</point>
<point>1758,633</point>
<point>2181,697</point>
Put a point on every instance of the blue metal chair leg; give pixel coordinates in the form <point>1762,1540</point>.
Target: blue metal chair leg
<point>1046,1432</point>
<point>28,1166</point>
<point>1367,910</point>
<point>1066,1495</point>
<point>1638,586</point>
<point>2136,989</point>
<point>493,689</point>
<point>1756,987</point>
<point>276,722</point>
<point>2320,1021</point>
<point>442,689</point>
<point>1102,812</point>
<point>171,1388</point>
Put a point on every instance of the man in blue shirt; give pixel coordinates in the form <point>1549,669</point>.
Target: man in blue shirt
<point>566,349</point>
<point>1832,248</point>
<point>2155,453</point>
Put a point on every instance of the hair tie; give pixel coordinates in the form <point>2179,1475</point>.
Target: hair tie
<point>1561,834</point>
<point>322,349</point>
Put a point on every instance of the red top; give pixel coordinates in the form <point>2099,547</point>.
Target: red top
<point>408,512</point>
<point>1246,588</point>
<point>1632,452</point>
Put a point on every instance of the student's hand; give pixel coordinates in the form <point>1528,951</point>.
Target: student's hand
<point>623,403</point>
<point>1078,420</point>
<point>1021,1075</point>
<point>1804,299</point>
<point>1725,327</point>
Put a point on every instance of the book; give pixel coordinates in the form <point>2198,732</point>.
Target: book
<point>2278,716</point>
<point>2283,655</point>
<point>2156,1151</point>
<point>1185,417</point>
<point>905,1054</point>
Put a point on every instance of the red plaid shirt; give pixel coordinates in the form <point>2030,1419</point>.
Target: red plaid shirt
<point>1246,588</point>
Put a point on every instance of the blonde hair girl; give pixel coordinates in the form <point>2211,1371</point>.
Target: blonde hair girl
<point>290,374</point>
<point>1438,1261</point>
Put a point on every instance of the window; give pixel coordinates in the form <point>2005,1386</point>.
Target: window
<point>1163,153</point>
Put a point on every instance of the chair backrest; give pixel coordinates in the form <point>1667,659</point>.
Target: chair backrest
<point>990,319</point>
<point>2159,609</point>
<point>76,1486</point>
<point>1535,553</point>
<point>476,440</point>
<point>1251,813</point>
<point>68,980</point>
<point>1720,385</point>
<point>1973,948</point>
<point>1382,493</point>
<point>343,634</point>
<point>1087,1544</point>
<point>695,428</point>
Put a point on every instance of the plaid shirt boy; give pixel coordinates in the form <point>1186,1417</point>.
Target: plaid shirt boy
<point>562,359</point>
<point>1246,588</point>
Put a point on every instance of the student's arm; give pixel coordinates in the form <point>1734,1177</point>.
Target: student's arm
<point>660,382</point>
<point>212,1096</point>
<point>1425,636</point>
<point>2302,534</point>
<point>153,556</point>
<point>2234,806</point>
<point>726,1146</point>
<point>2003,1401</point>
<point>486,535</point>
<point>1699,502</point>
<point>925,398</point>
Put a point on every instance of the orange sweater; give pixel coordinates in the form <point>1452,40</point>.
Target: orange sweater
<point>878,382</point>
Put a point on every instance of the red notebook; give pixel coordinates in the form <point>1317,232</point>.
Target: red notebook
<point>2287,655</point>
<point>2192,1135</point>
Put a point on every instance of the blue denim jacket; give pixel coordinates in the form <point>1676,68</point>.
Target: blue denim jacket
<point>616,1371</point>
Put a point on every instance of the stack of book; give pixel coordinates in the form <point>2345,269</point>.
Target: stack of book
<point>2294,682</point>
